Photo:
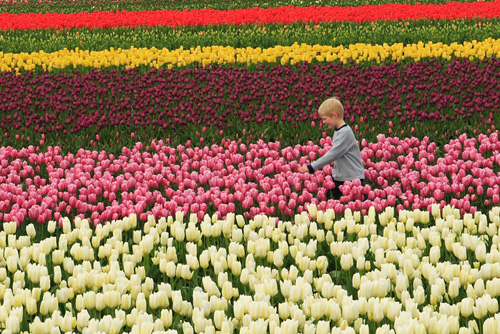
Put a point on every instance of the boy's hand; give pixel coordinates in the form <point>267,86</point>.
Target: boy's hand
<point>303,169</point>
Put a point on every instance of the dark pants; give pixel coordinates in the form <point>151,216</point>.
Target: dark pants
<point>335,193</point>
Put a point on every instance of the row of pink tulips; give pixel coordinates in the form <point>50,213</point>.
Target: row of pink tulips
<point>260,178</point>
<point>417,173</point>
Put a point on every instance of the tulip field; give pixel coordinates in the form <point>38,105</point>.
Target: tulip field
<point>149,155</point>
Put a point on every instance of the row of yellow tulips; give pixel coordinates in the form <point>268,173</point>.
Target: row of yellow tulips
<point>153,57</point>
<point>258,274</point>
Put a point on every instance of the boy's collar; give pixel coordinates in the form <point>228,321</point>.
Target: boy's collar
<point>340,127</point>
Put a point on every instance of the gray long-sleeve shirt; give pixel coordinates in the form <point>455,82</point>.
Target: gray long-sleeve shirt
<point>346,155</point>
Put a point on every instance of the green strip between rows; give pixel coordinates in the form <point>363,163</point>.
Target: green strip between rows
<point>264,36</point>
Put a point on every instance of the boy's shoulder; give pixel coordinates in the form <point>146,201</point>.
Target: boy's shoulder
<point>344,132</point>
<point>346,128</point>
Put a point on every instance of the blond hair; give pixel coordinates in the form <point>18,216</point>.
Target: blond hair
<point>331,106</point>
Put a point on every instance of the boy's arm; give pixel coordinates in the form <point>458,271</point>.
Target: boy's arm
<point>341,146</point>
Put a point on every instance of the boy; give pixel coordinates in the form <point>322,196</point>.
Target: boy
<point>344,152</point>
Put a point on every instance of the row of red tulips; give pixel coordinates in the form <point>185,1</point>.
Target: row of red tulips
<point>287,15</point>
<point>232,177</point>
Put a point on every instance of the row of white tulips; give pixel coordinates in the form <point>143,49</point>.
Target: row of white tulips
<point>407,272</point>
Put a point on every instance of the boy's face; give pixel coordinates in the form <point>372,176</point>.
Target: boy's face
<point>330,121</point>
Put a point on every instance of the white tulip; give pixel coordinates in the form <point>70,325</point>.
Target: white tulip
<point>68,265</point>
<point>480,309</point>
<point>30,230</point>
<point>204,259</point>
<point>479,288</point>
<point>350,311</point>
<point>112,299</point>
<point>31,305</point>
<point>309,328</point>
<point>13,323</point>
<point>491,326</point>
<point>12,263</point>
<point>227,327</point>
<point>219,318</point>
<point>126,301</point>
<point>45,283</point>
<point>185,272</point>
<point>199,320</point>
<point>227,290</point>
<point>377,313</point>
<point>346,261</point>
<point>435,254</point>
<point>393,310</point>
<point>51,226</point>
<point>492,305</point>
<point>245,276</point>
<point>480,252</point>
<point>290,326</point>
<point>116,326</point>
<point>295,293</point>
<point>89,299</point>
<point>466,306</point>
<point>278,258</point>
<point>216,228</point>
<point>166,317</point>
<point>454,287</point>
<point>239,309</point>
<point>82,319</point>
<point>10,227</point>
<point>472,324</point>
